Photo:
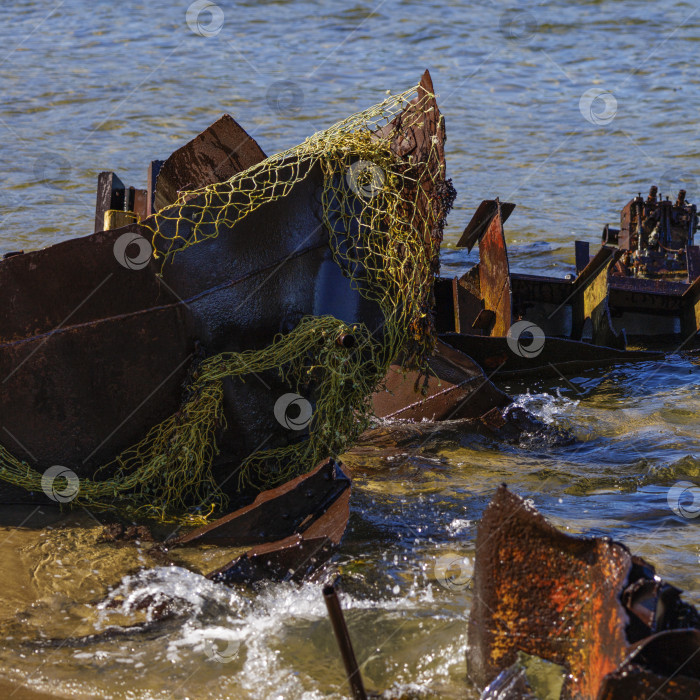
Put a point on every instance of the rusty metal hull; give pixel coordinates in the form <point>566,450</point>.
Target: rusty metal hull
<point>93,354</point>
<point>558,355</point>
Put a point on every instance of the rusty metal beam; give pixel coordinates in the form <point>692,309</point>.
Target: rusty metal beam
<point>479,223</point>
<point>589,300</point>
<point>110,195</point>
<point>494,275</point>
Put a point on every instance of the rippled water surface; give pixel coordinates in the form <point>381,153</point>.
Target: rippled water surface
<point>98,86</point>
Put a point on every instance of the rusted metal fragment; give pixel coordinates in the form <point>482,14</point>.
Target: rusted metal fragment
<point>487,298</point>
<point>139,204</point>
<point>666,665</point>
<point>495,355</point>
<point>63,407</point>
<point>456,389</point>
<point>494,275</point>
<point>589,300</point>
<point>219,152</point>
<point>110,195</point>
<point>293,558</point>
<point>645,296</point>
<point>656,232</point>
<point>418,136</point>
<point>587,295</point>
<point>583,603</point>
<point>277,513</point>
<point>545,593</point>
<point>651,297</point>
<point>481,220</point>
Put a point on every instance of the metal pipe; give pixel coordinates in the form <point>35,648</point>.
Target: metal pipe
<point>342,636</point>
<point>346,340</point>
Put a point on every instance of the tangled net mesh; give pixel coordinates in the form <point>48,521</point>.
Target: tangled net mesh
<point>384,214</point>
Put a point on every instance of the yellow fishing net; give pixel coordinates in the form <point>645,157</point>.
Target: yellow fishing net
<point>384,201</point>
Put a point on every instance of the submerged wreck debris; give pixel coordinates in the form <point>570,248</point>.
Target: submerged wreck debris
<point>486,311</point>
<point>585,604</point>
<point>456,387</point>
<point>295,528</point>
<point>299,555</point>
<point>656,282</point>
<point>186,303</point>
<point>278,513</point>
<point>643,282</point>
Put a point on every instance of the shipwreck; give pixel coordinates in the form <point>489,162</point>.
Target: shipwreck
<point>207,353</point>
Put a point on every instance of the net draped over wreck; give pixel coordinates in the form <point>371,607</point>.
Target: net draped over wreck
<point>384,212</point>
